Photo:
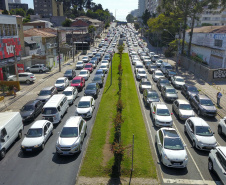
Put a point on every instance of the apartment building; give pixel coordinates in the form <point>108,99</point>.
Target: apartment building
<point>141,7</point>
<point>4,5</point>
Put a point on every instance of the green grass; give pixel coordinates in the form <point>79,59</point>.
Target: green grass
<point>133,124</point>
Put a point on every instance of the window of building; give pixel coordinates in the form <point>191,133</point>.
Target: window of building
<point>218,43</point>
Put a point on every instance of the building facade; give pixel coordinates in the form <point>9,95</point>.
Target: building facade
<point>17,5</point>
<point>152,6</point>
<point>141,7</point>
<point>135,13</point>
<point>4,5</point>
<point>49,8</point>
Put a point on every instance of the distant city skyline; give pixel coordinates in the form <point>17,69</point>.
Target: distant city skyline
<point>121,7</point>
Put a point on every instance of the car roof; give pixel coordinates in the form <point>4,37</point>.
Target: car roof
<point>32,102</point>
<point>203,96</point>
<point>27,73</point>
<point>178,77</point>
<point>77,77</point>
<point>161,106</point>
<point>181,101</point>
<point>70,88</point>
<point>86,98</point>
<point>47,88</point>
<point>69,70</point>
<point>198,121</point>
<point>145,80</point>
<point>141,69</point>
<point>92,83</point>
<point>80,61</point>
<point>62,78</point>
<point>73,121</point>
<point>222,150</point>
<point>38,124</point>
<point>100,70</point>
<point>169,132</point>
<point>169,87</point>
<point>151,91</point>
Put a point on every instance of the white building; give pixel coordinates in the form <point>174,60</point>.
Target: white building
<point>209,44</point>
<point>135,13</point>
<point>152,6</point>
<point>141,7</point>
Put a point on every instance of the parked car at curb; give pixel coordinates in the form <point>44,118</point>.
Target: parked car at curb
<point>183,109</point>
<point>72,136</point>
<point>217,162</point>
<point>200,134</point>
<point>37,68</point>
<point>171,148</point>
<point>23,77</point>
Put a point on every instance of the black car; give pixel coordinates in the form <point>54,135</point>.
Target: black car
<point>189,90</point>
<point>169,73</point>
<point>152,68</point>
<point>162,82</point>
<point>70,74</point>
<point>46,93</point>
<point>100,72</point>
<point>92,89</point>
<point>98,79</point>
<point>31,110</point>
<point>150,96</point>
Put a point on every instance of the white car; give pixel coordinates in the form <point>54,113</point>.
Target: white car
<point>104,67</point>
<point>217,162</point>
<point>37,136</point>
<point>85,59</point>
<point>222,126</point>
<point>170,148</point>
<point>62,83</point>
<point>37,68</point>
<point>152,54</point>
<point>72,136</point>
<point>200,134</point>
<point>85,74</point>
<point>23,77</point>
<point>156,75</point>
<point>177,81</point>
<point>154,58</point>
<point>71,93</point>
<point>161,115</point>
<point>104,62</point>
<point>85,107</point>
<point>183,109</point>
<point>140,73</point>
<point>80,65</point>
<point>135,60</point>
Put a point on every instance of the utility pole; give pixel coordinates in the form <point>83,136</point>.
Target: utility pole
<point>58,47</point>
<point>73,52</point>
<point>16,68</point>
<point>178,49</point>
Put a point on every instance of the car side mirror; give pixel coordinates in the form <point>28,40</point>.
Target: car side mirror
<point>153,112</point>
<point>2,140</point>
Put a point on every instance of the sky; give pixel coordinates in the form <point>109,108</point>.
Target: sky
<point>121,7</point>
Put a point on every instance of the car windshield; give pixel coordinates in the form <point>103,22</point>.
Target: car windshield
<point>168,67</point>
<point>85,58</point>
<point>69,132</point>
<point>171,91</point>
<point>145,83</point>
<point>172,73</point>
<point>27,108</point>
<point>192,89</point>
<point>59,81</point>
<point>88,66</point>
<point>173,144</point>
<point>34,132</point>
<point>163,112</point>
<point>97,78</point>
<point>158,74</point>
<point>91,87</point>
<point>99,72</point>
<point>164,81</point>
<point>104,62</point>
<point>203,131</point>
<point>79,63</point>
<point>102,67</point>
<point>49,111</point>
<point>185,107</point>
<point>44,93</point>
<point>67,93</point>
<point>153,95</point>
<point>153,67</point>
<point>141,72</point>
<point>206,102</point>
<point>92,62</point>
<point>83,73</point>
<point>179,79</point>
<point>67,72</point>
<point>75,81</point>
<point>84,104</point>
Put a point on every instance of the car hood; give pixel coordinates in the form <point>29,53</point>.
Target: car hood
<point>83,110</point>
<point>171,95</point>
<point>146,86</point>
<point>32,141</point>
<point>26,113</point>
<point>187,112</point>
<point>43,97</point>
<point>206,139</point>
<point>179,83</point>
<point>210,108</point>
<point>67,141</point>
<point>157,76</point>
<point>164,118</point>
<point>175,155</point>
<point>153,100</point>
<point>59,85</point>
<point>79,65</point>
<point>69,97</point>
<point>84,75</point>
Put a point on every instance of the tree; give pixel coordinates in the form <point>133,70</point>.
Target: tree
<point>30,12</point>
<point>67,23</point>
<point>146,15</point>
<point>130,18</point>
<point>5,12</point>
<point>18,11</point>
<point>137,26</point>
<point>27,19</point>
<point>91,29</point>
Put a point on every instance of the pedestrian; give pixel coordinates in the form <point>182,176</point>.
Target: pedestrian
<point>219,95</point>
<point>14,90</point>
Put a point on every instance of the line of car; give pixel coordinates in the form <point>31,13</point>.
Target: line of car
<point>171,149</point>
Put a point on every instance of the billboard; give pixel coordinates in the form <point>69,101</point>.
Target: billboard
<point>7,47</point>
<point>20,68</point>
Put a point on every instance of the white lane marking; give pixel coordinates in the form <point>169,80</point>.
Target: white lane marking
<point>189,181</point>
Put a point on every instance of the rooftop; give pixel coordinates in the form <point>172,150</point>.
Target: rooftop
<point>209,29</point>
<point>37,32</point>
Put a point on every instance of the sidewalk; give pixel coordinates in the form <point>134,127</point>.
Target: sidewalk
<point>206,88</point>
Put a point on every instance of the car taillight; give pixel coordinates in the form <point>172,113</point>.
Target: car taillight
<point>32,77</point>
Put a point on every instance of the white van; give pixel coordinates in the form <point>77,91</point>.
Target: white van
<point>138,65</point>
<point>11,126</point>
<point>55,108</point>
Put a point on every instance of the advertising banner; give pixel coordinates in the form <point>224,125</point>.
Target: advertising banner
<point>1,74</point>
<point>20,68</point>
<point>7,47</point>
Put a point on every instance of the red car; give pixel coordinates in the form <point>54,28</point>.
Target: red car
<point>78,82</point>
<point>89,67</point>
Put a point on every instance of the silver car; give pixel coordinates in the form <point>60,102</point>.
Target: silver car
<point>71,137</point>
<point>183,109</point>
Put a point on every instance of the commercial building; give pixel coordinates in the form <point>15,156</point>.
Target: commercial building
<point>49,8</point>
<point>141,7</point>
<point>4,5</point>
<point>209,44</point>
<point>17,5</point>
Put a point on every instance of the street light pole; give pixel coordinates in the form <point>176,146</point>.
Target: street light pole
<point>58,46</point>
<point>16,67</point>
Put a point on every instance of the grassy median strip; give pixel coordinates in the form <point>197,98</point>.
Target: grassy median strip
<point>98,160</point>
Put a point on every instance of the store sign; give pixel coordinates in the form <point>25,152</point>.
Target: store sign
<point>20,68</point>
<point>7,47</point>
